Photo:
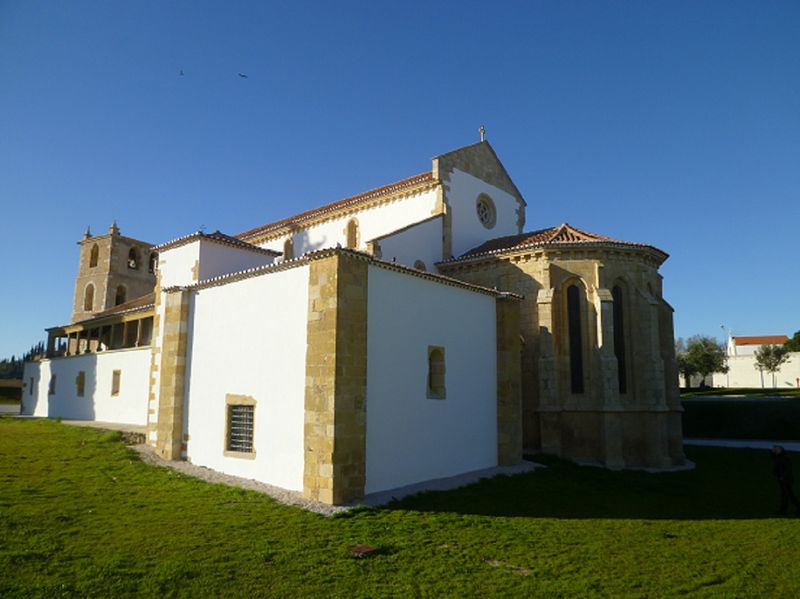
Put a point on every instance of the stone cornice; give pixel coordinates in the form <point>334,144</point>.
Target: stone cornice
<point>562,251</point>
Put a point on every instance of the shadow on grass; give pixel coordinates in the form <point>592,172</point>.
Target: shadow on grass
<point>726,484</point>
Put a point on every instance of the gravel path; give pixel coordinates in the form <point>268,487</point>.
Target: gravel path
<point>294,498</point>
<point>135,435</point>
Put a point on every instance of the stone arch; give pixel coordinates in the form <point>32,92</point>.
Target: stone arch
<point>352,233</point>
<point>94,255</point>
<point>121,295</point>
<point>420,265</point>
<point>88,297</point>
<point>152,263</point>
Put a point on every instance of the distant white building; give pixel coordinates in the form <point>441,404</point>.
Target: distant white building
<point>743,371</point>
<point>747,346</point>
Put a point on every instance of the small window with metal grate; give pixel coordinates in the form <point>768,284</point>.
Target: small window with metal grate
<point>240,428</point>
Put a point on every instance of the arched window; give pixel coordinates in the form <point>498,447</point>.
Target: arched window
<point>94,254</point>
<point>119,298</point>
<point>88,298</point>
<point>288,249</point>
<point>436,372</point>
<point>619,337</point>
<point>575,338</point>
<point>352,233</point>
<point>133,259</point>
<point>152,263</point>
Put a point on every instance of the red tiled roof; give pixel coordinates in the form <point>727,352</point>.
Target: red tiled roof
<point>140,304</point>
<point>144,301</point>
<point>345,203</point>
<point>761,340</point>
<point>562,234</point>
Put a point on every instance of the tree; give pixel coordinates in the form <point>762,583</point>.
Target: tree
<point>11,368</point>
<point>705,355</point>
<point>685,367</point>
<point>770,358</point>
<point>794,343</point>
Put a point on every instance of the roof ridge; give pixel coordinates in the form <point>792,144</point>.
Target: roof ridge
<point>580,234</point>
<point>356,199</point>
<point>218,237</point>
<point>563,234</point>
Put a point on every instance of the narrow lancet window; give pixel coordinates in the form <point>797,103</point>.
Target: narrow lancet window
<point>88,298</point>
<point>94,255</point>
<point>352,234</point>
<point>133,259</point>
<point>619,338</point>
<point>575,338</point>
<point>152,263</point>
<point>436,373</point>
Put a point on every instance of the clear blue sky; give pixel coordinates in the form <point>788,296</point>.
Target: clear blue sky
<point>671,123</point>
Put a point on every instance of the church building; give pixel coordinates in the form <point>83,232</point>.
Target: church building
<point>405,334</point>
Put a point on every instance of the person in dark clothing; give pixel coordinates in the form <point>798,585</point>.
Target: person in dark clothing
<point>782,469</point>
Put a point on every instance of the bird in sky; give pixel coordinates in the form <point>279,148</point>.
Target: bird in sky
<point>242,75</point>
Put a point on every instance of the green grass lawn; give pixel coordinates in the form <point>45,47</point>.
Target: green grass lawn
<point>80,515</point>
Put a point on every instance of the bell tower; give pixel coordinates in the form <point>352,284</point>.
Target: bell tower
<point>112,270</point>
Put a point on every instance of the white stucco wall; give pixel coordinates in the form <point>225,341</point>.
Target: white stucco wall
<point>743,373</point>
<point>217,259</point>
<point>411,438</point>
<point>372,222</point>
<point>128,407</point>
<point>744,350</point>
<point>34,401</point>
<point>461,193</point>
<point>422,241</point>
<point>176,264</point>
<point>249,338</point>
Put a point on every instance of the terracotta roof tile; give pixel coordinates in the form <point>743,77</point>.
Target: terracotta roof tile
<point>139,302</point>
<point>761,340</point>
<point>564,234</point>
<point>338,205</point>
